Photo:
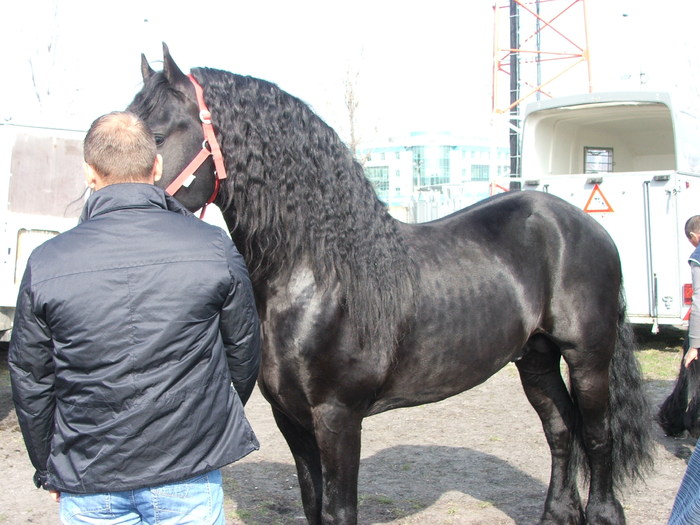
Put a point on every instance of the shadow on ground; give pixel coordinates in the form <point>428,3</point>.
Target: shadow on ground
<point>395,483</point>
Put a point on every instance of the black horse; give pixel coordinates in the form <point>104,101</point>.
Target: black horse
<point>362,313</point>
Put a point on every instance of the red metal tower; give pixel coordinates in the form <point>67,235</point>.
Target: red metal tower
<point>535,44</point>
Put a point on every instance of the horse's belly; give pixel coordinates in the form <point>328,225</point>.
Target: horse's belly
<point>430,373</point>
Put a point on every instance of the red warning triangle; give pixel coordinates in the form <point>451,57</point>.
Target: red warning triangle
<point>597,202</point>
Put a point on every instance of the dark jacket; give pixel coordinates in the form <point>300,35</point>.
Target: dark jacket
<point>129,330</point>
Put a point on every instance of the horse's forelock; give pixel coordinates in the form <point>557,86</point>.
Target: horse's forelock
<point>155,92</point>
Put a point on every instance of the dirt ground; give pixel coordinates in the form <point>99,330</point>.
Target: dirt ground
<point>477,458</point>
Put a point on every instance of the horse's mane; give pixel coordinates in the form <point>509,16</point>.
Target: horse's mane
<point>298,194</point>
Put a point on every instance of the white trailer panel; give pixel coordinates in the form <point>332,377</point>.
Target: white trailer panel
<point>632,161</point>
<point>41,194</point>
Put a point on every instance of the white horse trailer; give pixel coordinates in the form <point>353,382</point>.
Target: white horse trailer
<point>632,162</point>
<point>41,194</point>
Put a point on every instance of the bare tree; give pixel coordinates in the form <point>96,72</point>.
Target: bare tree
<point>351,104</point>
<point>42,56</point>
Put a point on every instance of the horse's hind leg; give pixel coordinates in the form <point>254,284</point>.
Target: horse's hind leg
<point>302,444</point>
<point>589,373</point>
<point>545,389</point>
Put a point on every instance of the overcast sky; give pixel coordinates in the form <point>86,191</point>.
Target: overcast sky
<point>420,66</point>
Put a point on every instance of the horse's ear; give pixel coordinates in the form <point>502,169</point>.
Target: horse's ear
<point>146,69</point>
<point>172,73</point>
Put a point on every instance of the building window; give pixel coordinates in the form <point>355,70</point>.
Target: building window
<point>418,165</point>
<point>443,173</point>
<point>598,160</point>
<point>431,166</point>
<point>480,172</point>
<point>379,177</point>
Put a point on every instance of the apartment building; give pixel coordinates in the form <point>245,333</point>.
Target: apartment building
<point>425,176</point>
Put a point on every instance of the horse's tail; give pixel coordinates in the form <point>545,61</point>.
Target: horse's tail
<point>671,414</point>
<point>681,409</point>
<point>630,412</point>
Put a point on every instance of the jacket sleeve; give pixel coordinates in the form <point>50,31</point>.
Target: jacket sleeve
<point>31,365</point>
<point>694,322</point>
<point>240,326</point>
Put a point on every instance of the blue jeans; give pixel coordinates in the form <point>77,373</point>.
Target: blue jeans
<point>686,507</point>
<point>196,501</point>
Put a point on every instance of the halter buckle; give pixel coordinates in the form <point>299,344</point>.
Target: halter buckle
<point>205,116</point>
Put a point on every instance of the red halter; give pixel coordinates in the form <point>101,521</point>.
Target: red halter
<point>210,146</point>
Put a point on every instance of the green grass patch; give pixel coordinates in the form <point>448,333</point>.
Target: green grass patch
<point>382,499</point>
<point>659,365</point>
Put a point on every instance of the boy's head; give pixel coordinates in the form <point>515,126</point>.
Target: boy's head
<point>692,230</point>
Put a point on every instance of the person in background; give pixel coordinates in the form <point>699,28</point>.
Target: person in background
<point>135,345</point>
<point>686,507</point>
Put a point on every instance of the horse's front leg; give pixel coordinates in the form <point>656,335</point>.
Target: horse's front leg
<point>338,434</point>
<point>302,444</point>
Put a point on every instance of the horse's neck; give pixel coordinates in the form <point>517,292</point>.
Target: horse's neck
<point>259,279</point>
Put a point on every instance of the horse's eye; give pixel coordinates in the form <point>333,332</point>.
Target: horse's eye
<point>159,140</point>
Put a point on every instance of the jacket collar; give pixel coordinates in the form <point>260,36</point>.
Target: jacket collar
<point>129,196</point>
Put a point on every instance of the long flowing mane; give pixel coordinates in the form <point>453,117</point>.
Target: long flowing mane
<point>298,194</point>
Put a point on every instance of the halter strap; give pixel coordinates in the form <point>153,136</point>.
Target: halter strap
<point>210,146</point>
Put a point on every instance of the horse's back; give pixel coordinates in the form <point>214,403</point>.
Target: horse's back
<point>540,244</point>
<point>525,230</point>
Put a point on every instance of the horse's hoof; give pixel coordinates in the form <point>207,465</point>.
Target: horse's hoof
<point>606,514</point>
<point>571,516</point>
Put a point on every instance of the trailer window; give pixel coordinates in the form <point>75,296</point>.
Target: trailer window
<point>598,160</point>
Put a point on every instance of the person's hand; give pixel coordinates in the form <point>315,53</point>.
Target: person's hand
<point>690,356</point>
<point>55,495</point>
